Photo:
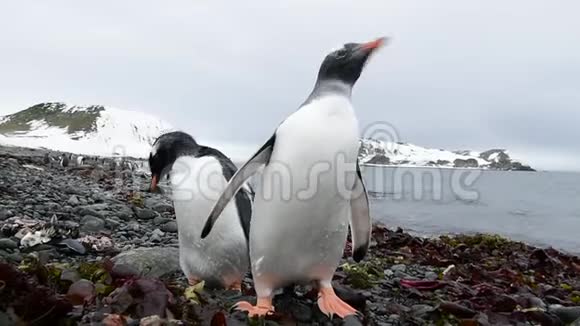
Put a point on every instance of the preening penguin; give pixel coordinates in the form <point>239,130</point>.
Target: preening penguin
<point>300,220</point>
<point>197,175</point>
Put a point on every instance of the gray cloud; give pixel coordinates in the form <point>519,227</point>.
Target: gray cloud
<point>455,75</point>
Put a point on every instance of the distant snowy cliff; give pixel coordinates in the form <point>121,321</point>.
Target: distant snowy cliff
<point>105,131</point>
<point>89,130</point>
<point>376,152</point>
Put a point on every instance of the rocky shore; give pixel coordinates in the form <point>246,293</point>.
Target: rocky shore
<point>86,245</point>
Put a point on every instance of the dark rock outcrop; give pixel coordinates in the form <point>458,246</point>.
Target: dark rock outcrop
<point>469,163</point>
<point>379,159</point>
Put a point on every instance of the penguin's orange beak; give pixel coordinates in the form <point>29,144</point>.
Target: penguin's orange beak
<point>373,45</point>
<point>154,181</point>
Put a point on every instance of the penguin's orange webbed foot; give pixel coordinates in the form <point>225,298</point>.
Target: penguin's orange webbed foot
<point>262,308</point>
<point>331,305</point>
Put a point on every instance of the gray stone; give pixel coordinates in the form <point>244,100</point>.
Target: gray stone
<point>29,201</point>
<point>70,275</point>
<point>431,276</point>
<point>351,321</point>
<point>121,270</point>
<point>399,268</point>
<point>162,207</point>
<point>15,257</point>
<point>566,314</point>
<point>72,190</point>
<point>122,211</point>
<point>99,198</point>
<point>112,223</point>
<point>151,262</point>
<point>170,226</point>
<point>87,210</point>
<point>150,202</point>
<point>134,226</point>
<point>70,225</point>
<point>5,213</point>
<point>421,310</point>
<point>92,224</point>
<point>145,213</point>
<point>161,220</point>
<point>536,302</point>
<point>73,200</point>
<point>99,207</point>
<point>52,206</point>
<point>8,244</point>
<point>402,275</point>
<point>74,245</point>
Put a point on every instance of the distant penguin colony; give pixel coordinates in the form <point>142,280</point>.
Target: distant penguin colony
<point>301,237</point>
<point>195,172</point>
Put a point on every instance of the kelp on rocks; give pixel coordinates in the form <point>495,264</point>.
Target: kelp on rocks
<point>465,280</point>
<point>492,279</point>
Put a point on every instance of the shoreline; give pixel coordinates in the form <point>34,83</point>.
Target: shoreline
<point>121,267</point>
<point>109,156</point>
<point>444,167</point>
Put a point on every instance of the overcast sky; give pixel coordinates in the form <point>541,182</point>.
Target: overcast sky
<point>456,74</point>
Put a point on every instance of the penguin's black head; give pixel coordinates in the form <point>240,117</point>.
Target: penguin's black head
<point>166,149</point>
<point>347,63</point>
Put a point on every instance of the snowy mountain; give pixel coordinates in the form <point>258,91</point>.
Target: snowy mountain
<point>376,152</point>
<point>106,131</point>
<point>89,130</point>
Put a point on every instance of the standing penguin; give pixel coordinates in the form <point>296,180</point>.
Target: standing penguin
<point>311,187</point>
<point>64,160</point>
<point>197,175</point>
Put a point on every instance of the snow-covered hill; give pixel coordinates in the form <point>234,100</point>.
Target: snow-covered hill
<point>373,151</point>
<point>89,130</point>
<point>106,131</point>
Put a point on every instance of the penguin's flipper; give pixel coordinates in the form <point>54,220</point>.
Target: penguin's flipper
<point>262,157</point>
<point>360,219</point>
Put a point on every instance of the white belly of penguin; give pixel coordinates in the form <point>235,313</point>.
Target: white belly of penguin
<point>302,207</point>
<point>196,183</point>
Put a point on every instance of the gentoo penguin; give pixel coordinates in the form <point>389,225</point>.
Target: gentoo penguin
<point>64,160</point>
<point>80,160</point>
<point>310,189</point>
<point>197,175</point>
